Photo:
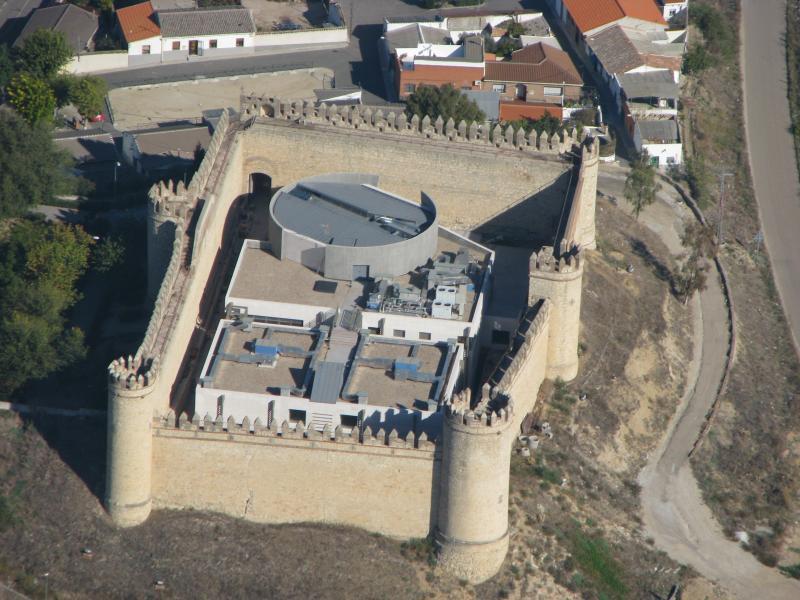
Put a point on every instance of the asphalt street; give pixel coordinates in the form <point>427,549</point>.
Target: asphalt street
<point>771,146</point>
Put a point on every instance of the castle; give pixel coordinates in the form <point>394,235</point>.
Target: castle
<point>186,431</point>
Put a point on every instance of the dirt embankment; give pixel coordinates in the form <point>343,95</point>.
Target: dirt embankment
<point>574,502</point>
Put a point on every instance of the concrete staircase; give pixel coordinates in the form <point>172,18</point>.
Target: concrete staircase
<point>341,344</point>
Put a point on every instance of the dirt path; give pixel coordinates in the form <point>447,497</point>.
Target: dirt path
<point>673,508</point>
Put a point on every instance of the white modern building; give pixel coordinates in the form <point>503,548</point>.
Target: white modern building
<point>358,307</point>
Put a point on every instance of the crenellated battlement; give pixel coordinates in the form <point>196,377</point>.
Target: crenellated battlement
<point>365,118</point>
<point>457,411</point>
<point>258,429</point>
<point>132,373</point>
<point>545,260</point>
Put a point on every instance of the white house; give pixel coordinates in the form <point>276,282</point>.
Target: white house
<point>671,8</point>
<point>179,34</point>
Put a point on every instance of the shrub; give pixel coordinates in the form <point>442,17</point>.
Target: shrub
<point>697,59</point>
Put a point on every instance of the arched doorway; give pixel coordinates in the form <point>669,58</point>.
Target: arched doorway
<point>260,185</point>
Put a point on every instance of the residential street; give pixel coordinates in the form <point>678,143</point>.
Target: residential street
<point>771,147</point>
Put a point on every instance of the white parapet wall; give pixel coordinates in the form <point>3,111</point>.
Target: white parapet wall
<point>305,37</point>
<point>97,62</point>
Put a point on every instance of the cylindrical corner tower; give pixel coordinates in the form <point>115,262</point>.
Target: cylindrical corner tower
<point>472,530</point>
<point>559,280</point>
<point>129,445</point>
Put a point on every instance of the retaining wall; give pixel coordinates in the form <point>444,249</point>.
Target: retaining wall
<point>306,37</point>
<point>97,62</point>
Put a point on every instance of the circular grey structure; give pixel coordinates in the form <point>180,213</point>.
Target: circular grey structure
<point>344,227</point>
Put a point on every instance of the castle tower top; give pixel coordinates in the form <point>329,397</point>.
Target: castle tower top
<point>546,260</point>
<point>132,373</point>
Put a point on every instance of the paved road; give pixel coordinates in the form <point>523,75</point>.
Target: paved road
<point>772,157</point>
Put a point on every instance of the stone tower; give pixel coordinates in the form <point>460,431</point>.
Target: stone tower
<point>129,447</point>
<point>559,279</point>
<point>166,208</point>
<point>472,526</point>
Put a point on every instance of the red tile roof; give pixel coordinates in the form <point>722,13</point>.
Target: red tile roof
<point>591,14</point>
<point>138,22</point>
<point>537,63</point>
<point>513,110</point>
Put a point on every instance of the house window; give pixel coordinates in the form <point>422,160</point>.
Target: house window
<point>297,416</point>
<point>240,42</point>
<point>146,49</point>
<point>424,335</point>
<point>349,421</point>
<point>401,333</point>
<point>410,87</point>
<point>213,43</point>
<point>176,45</point>
<point>499,87</point>
<point>553,91</point>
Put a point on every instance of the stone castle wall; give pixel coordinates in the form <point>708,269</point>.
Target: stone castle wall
<point>521,372</point>
<point>469,182</point>
<point>378,482</point>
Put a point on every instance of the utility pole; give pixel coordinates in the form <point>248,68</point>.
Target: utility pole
<point>721,205</point>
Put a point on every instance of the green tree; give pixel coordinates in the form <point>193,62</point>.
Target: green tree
<point>32,97</point>
<point>701,247</point>
<point>6,67</point>
<point>546,123</point>
<point>32,169</point>
<point>506,45</point>
<point>445,101</point>
<point>697,59</point>
<point>44,53</point>
<point>40,265</point>
<point>515,29</point>
<point>87,94</point>
<point>108,254</point>
<point>641,185</point>
<point>717,33</point>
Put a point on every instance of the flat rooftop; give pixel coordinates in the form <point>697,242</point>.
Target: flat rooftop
<point>348,214</point>
<point>262,276</point>
<point>291,361</point>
